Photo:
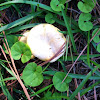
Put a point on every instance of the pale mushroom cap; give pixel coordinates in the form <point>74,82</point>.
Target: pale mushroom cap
<point>24,37</point>
<point>44,41</point>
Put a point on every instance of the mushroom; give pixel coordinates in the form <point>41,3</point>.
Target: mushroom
<point>24,37</point>
<point>44,41</point>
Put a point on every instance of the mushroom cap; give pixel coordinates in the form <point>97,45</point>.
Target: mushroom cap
<point>44,41</point>
<point>24,37</point>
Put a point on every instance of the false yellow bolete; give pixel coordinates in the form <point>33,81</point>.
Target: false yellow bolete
<point>44,41</point>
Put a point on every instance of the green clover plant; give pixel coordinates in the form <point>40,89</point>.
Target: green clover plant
<point>86,6</point>
<point>49,96</point>
<point>32,74</point>
<point>57,81</point>
<point>98,47</point>
<point>84,23</point>
<point>96,39</point>
<point>57,4</point>
<point>21,50</point>
<point>11,39</point>
<point>49,18</point>
<point>55,94</point>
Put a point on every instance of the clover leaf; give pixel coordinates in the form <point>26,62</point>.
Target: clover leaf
<point>56,5</point>
<point>98,47</point>
<point>87,5</point>
<point>49,96</point>
<point>11,39</point>
<point>62,1</point>
<point>96,39</point>
<point>21,50</point>
<point>84,23</point>
<point>55,95</point>
<point>32,74</point>
<point>49,18</point>
<point>57,81</point>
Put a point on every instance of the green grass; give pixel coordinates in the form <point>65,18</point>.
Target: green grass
<point>67,21</point>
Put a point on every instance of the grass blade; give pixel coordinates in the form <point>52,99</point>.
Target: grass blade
<point>83,82</point>
<point>77,76</point>
<point>19,21</point>
<point>91,67</point>
<point>28,2</point>
<point>48,8</point>
<point>3,65</point>
<point>5,7</point>
<point>63,66</point>
<point>42,90</point>
<point>17,9</point>
<point>83,57</point>
<point>89,88</point>
<point>88,58</point>
<point>69,29</point>
<point>4,88</point>
<point>19,28</point>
